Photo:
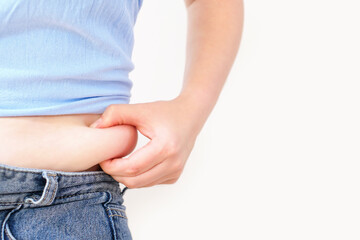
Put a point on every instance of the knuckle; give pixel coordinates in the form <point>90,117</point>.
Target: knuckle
<point>160,149</point>
<point>133,171</point>
<point>172,147</point>
<point>111,109</point>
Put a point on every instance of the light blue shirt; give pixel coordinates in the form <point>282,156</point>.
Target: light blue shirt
<point>65,56</point>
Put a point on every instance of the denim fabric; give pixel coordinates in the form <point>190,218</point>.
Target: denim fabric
<point>46,204</point>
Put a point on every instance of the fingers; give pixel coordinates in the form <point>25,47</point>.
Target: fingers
<point>147,166</point>
<point>157,174</point>
<point>118,114</point>
<point>168,180</point>
<point>140,161</point>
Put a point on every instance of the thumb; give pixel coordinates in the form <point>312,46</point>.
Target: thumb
<point>117,114</point>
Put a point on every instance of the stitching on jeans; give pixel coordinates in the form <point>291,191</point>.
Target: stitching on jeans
<point>4,224</point>
<point>122,212</point>
<point>82,183</point>
<point>8,233</point>
<point>48,188</point>
<point>54,190</point>
<point>118,215</point>
<point>74,195</point>
<point>58,172</point>
<point>12,203</point>
<point>116,209</point>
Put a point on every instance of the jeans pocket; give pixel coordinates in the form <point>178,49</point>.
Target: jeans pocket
<point>8,235</point>
<point>77,216</point>
<point>116,213</point>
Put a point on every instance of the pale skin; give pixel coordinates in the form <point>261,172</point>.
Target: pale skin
<point>213,39</point>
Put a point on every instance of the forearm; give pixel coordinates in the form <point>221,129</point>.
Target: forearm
<point>213,37</point>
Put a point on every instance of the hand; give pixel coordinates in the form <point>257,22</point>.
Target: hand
<point>172,129</point>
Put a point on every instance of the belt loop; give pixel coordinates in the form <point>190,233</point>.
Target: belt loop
<point>49,191</point>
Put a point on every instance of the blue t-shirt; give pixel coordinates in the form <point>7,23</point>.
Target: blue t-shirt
<point>65,56</point>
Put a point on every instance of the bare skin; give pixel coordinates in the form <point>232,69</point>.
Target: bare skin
<point>62,142</point>
<point>213,38</point>
<point>214,33</point>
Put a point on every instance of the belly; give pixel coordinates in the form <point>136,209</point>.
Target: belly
<point>62,142</point>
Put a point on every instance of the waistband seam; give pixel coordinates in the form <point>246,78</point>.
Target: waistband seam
<point>60,197</point>
<point>68,174</point>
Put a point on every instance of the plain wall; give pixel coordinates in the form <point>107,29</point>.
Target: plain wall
<point>279,155</point>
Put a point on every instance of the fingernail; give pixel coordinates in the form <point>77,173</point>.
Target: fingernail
<point>96,123</point>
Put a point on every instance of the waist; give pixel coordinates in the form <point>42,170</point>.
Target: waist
<point>62,142</point>
<point>34,187</point>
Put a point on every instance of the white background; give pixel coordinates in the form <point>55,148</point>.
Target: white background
<point>279,155</point>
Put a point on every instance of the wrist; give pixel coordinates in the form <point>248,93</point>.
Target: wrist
<point>196,107</point>
<point>199,98</point>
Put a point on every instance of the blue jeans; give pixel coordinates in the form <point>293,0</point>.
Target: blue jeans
<point>45,204</point>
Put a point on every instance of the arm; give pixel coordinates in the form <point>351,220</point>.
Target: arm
<point>214,31</point>
<point>213,39</point>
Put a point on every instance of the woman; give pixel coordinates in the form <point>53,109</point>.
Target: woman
<point>64,65</point>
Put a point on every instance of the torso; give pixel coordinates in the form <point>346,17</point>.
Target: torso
<point>62,142</point>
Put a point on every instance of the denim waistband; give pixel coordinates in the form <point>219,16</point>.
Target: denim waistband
<point>40,186</point>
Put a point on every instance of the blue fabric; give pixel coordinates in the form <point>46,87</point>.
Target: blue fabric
<point>45,204</point>
<point>65,56</point>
